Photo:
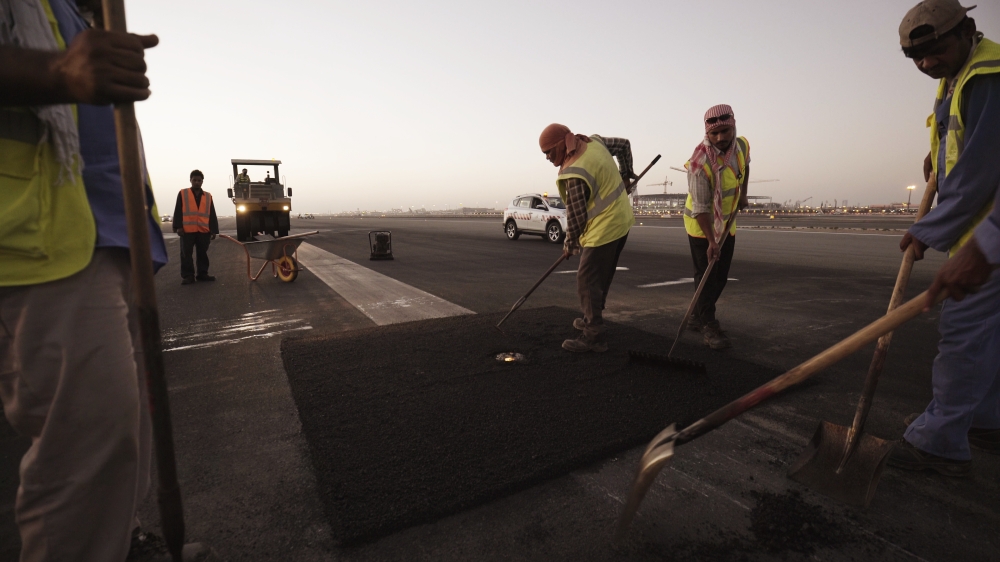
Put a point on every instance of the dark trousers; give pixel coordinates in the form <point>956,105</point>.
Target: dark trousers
<point>593,278</point>
<point>705,308</point>
<point>190,241</point>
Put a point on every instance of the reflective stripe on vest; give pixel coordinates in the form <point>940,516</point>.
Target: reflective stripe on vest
<point>984,60</point>
<point>609,211</point>
<point>730,183</point>
<point>601,203</point>
<point>195,217</point>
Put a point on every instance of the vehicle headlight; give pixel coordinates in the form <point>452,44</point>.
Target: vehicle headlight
<point>241,208</point>
<point>285,208</point>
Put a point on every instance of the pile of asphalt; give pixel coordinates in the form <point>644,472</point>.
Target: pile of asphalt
<point>411,422</point>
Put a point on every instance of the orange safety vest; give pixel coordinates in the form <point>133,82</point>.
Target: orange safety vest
<point>195,217</point>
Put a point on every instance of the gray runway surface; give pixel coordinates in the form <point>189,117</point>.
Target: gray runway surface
<point>247,480</point>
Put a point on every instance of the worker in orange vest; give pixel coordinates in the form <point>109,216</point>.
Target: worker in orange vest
<point>196,225</point>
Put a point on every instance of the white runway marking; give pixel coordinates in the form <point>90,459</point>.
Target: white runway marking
<point>667,283</point>
<point>676,282</point>
<point>211,333</point>
<point>381,298</point>
<point>575,270</point>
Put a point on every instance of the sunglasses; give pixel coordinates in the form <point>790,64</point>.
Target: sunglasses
<point>723,117</point>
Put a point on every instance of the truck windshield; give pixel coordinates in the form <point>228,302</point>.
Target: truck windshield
<point>555,202</point>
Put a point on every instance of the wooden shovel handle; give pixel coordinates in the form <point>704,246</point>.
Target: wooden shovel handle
<point>704,276</point>
<point>144,291</point>
<point>882,348</point>
<point>842,349</point>
<point>521,300</point>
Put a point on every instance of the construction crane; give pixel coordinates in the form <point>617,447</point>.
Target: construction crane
<point>798,204</point>
<point>666,183</point>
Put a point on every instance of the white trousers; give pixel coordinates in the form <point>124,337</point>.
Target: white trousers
<point>69,381</point>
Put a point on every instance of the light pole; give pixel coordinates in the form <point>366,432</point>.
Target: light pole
<point>909,194</point>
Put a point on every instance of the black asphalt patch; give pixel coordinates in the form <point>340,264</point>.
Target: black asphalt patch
<point>411,422</point>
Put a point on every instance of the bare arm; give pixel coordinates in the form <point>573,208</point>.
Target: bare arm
<point>99,67</point>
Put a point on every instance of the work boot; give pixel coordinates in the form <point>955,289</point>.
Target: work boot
<point>150,547</point>
<point>907,457</point>
<point>983,439</point>
<point>205,277</point>
<point>714,337</point>
<point>187,280</point>
<point>591,339</point>
<point>695,324</point>
<point>580,324</point>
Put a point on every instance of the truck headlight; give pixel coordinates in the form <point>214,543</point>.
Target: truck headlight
<point>241,208</point>
<point>285,208</point>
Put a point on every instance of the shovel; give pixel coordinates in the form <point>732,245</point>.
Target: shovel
<point>137,217</point>
<point>520,301</point>
<point>661,449</point>
<point>842,462</point>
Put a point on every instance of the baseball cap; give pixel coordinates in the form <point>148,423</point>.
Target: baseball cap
<point>941,15</point>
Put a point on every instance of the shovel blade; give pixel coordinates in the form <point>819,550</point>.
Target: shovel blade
<point>658,454</point>
<point>856,483</point>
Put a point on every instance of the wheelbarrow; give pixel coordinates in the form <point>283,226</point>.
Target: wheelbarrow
<point>281,253</point>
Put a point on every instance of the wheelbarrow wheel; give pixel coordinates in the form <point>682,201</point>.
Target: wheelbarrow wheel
<point>288,269</point>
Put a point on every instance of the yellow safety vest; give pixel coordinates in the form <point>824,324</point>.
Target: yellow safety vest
<point>47,230</point>
<point>984,60</point>
<point>609,212</point>
<point>243,178</point>
<point>729,184</point>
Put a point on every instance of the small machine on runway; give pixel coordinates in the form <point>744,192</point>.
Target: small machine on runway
<point>284,266</point>
<point>381,246</point>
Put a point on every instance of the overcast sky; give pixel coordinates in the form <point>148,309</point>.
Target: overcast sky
<point>376,105</point>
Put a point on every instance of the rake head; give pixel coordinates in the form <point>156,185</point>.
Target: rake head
<point>657,360</point>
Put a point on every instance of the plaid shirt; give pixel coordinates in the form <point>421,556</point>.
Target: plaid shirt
<point>578,192</point>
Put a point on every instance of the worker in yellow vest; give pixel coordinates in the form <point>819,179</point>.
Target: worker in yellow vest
<point>943,42</point>
<point>718,168</point>
<point>598,218</point>
<point>69,341</point>
<point>196,225</point>
<point>244,177</point>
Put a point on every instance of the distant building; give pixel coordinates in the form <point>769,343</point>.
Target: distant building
<point>659,202</point>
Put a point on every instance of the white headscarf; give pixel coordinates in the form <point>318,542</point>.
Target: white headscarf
<point>23,23</point>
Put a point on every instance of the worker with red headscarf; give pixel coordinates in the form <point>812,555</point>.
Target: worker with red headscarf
<point>598,218</point>
<point>718,168</point>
